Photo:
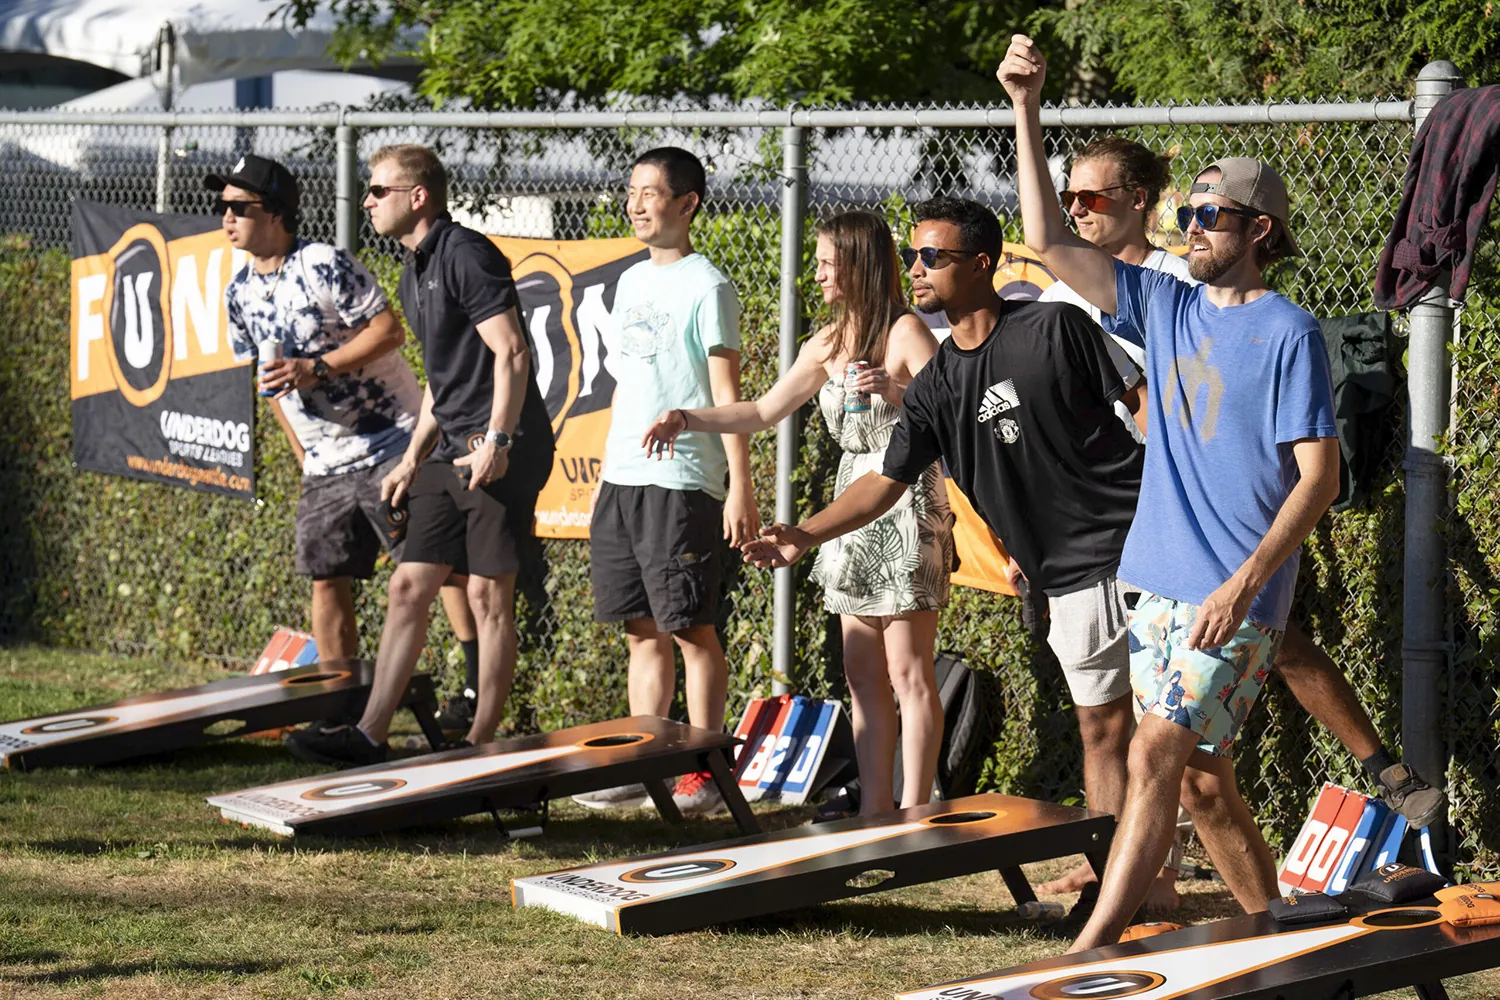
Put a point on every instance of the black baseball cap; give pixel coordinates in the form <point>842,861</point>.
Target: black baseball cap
<point>265,177</point>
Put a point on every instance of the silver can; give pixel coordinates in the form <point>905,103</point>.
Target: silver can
<point>855,402</point>
<point>269,352</point>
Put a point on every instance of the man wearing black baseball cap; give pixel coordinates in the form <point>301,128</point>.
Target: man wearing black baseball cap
<point>343,395</point>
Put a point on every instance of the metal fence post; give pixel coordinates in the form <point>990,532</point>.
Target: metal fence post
<point>346,189</point>
<point>166,64</point>
<point>1423,651</point>
<point>793,210</point>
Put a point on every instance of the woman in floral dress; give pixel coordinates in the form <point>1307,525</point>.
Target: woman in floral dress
<point>887,581</point>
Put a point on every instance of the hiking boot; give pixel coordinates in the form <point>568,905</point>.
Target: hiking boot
<point>621,797</point>
<point>338,744</point>
<point>456,715</point>
<point>1405,791</point>
<point>697,795</point>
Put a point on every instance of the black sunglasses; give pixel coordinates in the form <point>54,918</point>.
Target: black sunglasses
<point>929,255</point>
<point>381,190</point>
<point>1208,215</point>
<point>239,208</point>
<point>1091,199</point>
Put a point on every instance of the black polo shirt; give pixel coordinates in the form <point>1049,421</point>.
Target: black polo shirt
<point>453,281</point>
<point>1026,423</point>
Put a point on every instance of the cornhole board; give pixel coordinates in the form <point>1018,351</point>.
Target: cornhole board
<point>520,773</point>
<point>160,723</point>
<point>1254,958</point>
<point>697,886</point>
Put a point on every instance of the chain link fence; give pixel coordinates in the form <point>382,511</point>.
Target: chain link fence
<point>1345,182</point>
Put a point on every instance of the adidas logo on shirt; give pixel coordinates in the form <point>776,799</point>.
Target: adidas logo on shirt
<point>997,399</point>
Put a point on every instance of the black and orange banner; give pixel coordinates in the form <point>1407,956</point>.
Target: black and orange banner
<point>157,393</point>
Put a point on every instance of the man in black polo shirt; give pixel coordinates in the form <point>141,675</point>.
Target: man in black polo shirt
<point>480,453</point>
<point>1019,402</point>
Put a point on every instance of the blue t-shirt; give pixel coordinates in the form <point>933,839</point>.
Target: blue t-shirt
<point>1229,391</point>
<point>666,319</point>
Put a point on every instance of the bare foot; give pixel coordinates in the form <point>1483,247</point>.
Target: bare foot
<point>1072,882</point>
<point>1162,898</point>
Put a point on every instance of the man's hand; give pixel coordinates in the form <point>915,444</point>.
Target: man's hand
<point>660,438</point>
<point>397,482</point>
<point>485,464</point>
<point>741,517</point>
<point>1013,573</point>
<point>1221,614</point>
<point>1023,71</point>
<point>283,376</point>
<point>779,545</point>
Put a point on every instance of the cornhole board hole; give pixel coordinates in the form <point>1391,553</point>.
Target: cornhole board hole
<point>1254,958</point>
<point>160,723</point>
<point>697,886</point>
<point>521,773</point>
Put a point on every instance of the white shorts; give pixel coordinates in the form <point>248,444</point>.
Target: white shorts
<point>1090,636</point>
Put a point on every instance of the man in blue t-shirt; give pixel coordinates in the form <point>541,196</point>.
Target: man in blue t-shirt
<point>1243,461</point>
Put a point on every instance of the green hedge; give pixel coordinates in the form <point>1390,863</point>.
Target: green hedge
<point>90,561</point>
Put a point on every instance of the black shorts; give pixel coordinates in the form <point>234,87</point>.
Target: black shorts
<point>654,553</point>
<point>340,529</point>
<point>476,531</point>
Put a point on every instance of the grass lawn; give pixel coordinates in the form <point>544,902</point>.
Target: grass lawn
<point>120,882</point>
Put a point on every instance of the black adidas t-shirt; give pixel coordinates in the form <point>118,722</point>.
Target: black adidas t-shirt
<point>1027,427</point>
<point>455,280</point>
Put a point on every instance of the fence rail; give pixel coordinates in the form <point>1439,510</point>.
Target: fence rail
<point>557,174</point>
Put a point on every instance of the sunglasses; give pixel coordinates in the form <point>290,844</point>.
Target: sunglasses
<point>930,256</point>
<point>1091,200</point>
<point>239,208</point>
<point>1208,215</point>
<point>379,191</point>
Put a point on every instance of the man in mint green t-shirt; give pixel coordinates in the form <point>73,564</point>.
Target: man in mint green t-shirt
<point>657,526</point>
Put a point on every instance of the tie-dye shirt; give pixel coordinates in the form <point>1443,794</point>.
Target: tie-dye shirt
<point>317,302</point>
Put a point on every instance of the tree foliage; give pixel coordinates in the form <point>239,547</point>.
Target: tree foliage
<point>542,53</point>
<point>1251,50</point>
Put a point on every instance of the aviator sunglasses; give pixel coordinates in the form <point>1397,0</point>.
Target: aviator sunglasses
<point>1091,200</point>
<point>929,256</point>
<point>1208,215</point>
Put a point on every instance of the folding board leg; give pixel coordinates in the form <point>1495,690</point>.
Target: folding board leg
<point>718,766</point>
<point>1432,991</point>
<point>421,698</point>
<point>663,799</point>
<point>1096,860</point>
<point>1015,881</point>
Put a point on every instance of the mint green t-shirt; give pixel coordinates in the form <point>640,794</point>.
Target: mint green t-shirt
<point>665,321</point>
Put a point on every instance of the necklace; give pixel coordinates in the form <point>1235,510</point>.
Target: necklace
<point>268,293</point>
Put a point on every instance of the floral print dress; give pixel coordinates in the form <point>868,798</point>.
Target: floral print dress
<point>900,562</point>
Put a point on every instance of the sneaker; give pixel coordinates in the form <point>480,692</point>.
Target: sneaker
<point>622,797</point>
<point>456,715</point>
<point>340,744</point>
<point>1405,791</point>
<point>697,795</point>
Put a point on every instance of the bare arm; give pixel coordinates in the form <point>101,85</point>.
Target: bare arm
<point>502,335</point>
<point>398,481</point>
<point>910,346</point>
<point>1089,270</point>
<point>868,497</point>
<point>374,340</point>
<point>1221,614</point>
<point>741,517</point>
<point>793,389</point>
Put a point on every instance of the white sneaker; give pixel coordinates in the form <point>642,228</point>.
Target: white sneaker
<point>697,795</point>
<point>620,797</point>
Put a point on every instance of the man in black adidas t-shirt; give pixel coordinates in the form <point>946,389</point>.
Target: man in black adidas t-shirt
<point>1019,402</point>
<point>481,451</point>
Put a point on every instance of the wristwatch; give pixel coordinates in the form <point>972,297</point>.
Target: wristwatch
<point>501,440</point>
<point>320,370</point>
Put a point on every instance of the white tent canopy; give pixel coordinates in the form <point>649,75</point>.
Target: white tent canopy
<point>214,39</point>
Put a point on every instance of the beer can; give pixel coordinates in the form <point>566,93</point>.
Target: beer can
<point>270,352</point>
<point>855,402</point>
